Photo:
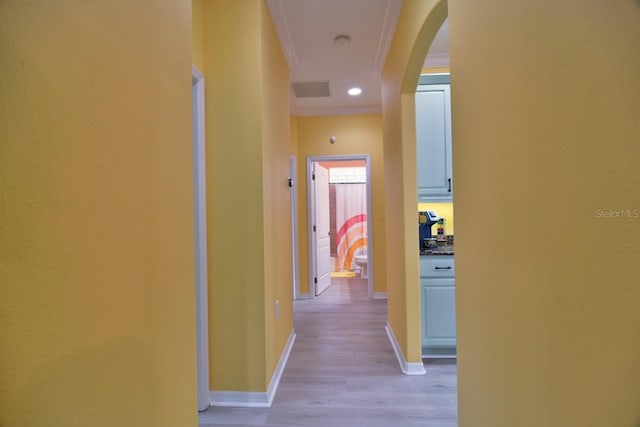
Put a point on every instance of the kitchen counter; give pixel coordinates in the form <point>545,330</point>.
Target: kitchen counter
<point>440,250</point>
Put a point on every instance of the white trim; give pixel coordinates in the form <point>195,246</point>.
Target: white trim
<point>370,255</point>
<point>293,172</point>
<point>310,207</point>
<point>311,219</point>
<point>239,399</point>
<point>279,18</point>
<point>391,14</point>
<point>282,363</point>
<point>256,399</point>
<point>379,295</point>
<point>200,232</point>
<point>303,295</point>
<point>196,75</point>
<point>407,368</point>
<point>301,111</point>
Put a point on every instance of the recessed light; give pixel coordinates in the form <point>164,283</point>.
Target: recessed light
<point>354,91</point>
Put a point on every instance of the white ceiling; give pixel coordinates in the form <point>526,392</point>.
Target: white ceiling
<point>307,29</point>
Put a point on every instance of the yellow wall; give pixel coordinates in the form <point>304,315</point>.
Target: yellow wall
<point>276,196</point>
<point>548,326</point>
<point>436,70</point>
<point>293,132</point>
<point>400,78</point>
<point>97,313</point>
<point>356,134</point>
<point>197,32</point>
<point>247,131</point>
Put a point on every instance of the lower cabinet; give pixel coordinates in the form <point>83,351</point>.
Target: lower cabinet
<point>437,285</point>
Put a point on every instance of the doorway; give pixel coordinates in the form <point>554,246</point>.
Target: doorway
<point>340,232</point>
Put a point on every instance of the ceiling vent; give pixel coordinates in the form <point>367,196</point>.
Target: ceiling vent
<point>311,89</point>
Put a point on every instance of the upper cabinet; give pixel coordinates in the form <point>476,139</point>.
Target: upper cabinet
<point>433,135</point>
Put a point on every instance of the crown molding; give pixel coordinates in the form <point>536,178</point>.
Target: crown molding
<point>391,14</point>
<point>279,18</point>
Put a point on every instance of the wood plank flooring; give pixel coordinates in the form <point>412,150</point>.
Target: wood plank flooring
<point>342,372</point>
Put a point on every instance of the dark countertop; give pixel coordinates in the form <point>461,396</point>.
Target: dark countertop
<point>443,248</point>
<point>440,250</point>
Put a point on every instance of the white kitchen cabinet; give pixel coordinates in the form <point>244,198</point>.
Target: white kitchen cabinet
<point>437,286</point>
<point>433,135</point>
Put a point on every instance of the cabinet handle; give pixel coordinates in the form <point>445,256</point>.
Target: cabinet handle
<point>449,181</point>
<point>443,268</point>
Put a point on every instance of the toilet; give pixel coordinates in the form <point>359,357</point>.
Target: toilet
<point>361,261</point>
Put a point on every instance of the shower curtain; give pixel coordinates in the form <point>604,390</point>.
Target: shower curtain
<point>351,222</point>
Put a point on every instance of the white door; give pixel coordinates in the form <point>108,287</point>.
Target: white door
<point>321,230</point>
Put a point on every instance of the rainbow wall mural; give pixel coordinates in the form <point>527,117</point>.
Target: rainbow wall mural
<point>351,240</point>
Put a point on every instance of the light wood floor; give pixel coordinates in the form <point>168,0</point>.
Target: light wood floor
<point>342,372</point>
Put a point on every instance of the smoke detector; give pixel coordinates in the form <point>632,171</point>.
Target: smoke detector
<point>342,39</point>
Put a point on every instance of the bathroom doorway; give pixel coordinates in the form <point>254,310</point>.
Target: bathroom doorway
<point>340,221</point>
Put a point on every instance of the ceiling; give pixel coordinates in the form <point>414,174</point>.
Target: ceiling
<point>308,29</point>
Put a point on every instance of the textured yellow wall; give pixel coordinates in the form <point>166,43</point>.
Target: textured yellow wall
<point>356,134</point>
<point>400,78</point>
<point>234,195</point>
<point>197,33</point>
<point>548,319</point>
<point>247,128</point>
<point>97,313</point>
<point>293,143</point>
<point>436,70</point>
<point>276,197</point>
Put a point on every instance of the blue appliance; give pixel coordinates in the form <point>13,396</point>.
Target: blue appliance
<point>426,219</point>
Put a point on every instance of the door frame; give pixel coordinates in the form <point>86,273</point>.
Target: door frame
<point>293,188</point>
<point>311,215</point>
<point>200,232</point>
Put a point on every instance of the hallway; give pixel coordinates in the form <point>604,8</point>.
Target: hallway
<point>342,372</point>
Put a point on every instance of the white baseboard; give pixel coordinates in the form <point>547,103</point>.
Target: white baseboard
<point>304,295</point>
<point>252,399</point>
<point>407,368</point>
<point>239,399</point>
<point>282,363</point>
<point>379,295</point>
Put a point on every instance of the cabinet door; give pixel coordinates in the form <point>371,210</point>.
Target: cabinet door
<point>433,135</point>
<point>438,313</point>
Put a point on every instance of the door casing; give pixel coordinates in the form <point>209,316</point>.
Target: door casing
<point>311,212</point>
<point>293,177</point>
<point>200,219</point>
